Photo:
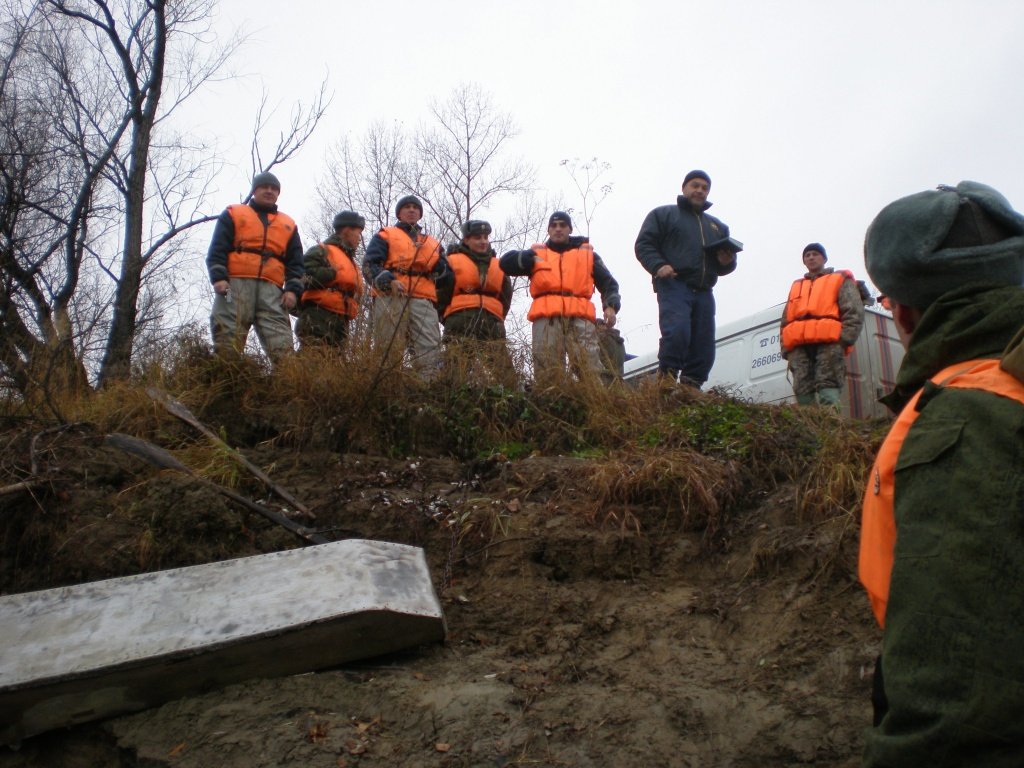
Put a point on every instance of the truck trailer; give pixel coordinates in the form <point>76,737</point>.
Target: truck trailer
<point>749,364</point>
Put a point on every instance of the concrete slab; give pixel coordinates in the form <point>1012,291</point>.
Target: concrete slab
<point>94,650</point>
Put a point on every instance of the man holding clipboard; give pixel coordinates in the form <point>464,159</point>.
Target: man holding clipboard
<point>686,251</point>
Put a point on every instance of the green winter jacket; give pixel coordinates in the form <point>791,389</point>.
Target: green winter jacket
<point>953,646</point>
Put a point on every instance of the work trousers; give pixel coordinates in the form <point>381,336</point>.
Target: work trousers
<point>319,325</point>
<point>251,303</point>
<point>403,322</point>
<point>686,318</point>
<point>560,339</point>
<point>818,371</point>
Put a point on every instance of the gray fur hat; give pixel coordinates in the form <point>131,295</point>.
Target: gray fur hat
<point>475,227</point>
<point>924,245</point>
<point>348,219</point>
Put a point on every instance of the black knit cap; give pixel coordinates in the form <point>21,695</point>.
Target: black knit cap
<point>475,227</point>
<point>266,179</point>
<point>404,201</point>
<point>348,219</point>
<point>696,174</point>
<point>560,216</point>
<point>815,247</point>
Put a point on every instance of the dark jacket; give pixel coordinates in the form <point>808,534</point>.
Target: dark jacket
<point>446,283</point>
<point>953,645</point>
<point>377,255</point>
<point>676,235</point>
<point>521,263</point>
<point>223,242</point>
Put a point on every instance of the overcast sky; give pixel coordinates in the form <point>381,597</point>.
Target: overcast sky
<point>808,118</point>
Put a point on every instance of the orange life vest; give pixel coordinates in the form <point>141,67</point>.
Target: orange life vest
<point>342,295</point>
<point>469,293</point>
<point>812,312</point>
<point>259,248</point>
<point>562,283</point>
<point>878,524</point>
<point>412,263</point>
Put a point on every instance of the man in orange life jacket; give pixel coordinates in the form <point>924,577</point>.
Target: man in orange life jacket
<point>474,296</point>
<point>255,266</point>
<point>942,539</point>
<point>823,318</point>
<point>333,283</point>
<point>401,265</point>
<point>563,273</point>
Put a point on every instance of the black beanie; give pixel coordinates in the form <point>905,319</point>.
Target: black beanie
<point>560,216</point>
<point>695,174</point>
<point>815,247</point>
<point>408,199</point>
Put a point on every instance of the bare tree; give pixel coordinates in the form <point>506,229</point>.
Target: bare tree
<point>587,177</point>
<point>365,176</point>
<point>462,160</point>
<point>95,175</point>
<point>456,164</point>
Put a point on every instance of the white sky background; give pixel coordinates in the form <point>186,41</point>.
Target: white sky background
<point>808,116</point>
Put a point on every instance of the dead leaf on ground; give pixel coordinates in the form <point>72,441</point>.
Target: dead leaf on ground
<point>176,750</point>
<point>442,747</point>
<point>317,732</point>
<point>364,727</point>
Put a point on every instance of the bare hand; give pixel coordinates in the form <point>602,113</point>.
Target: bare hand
<point>725,256</point>
<point>289,300</point>
<point>665,270</point>
<point>398,287</point>
<point>221,287</point>
<point>609,317</point>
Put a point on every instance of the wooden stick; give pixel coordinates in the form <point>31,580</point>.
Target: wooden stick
<point>159,457</point>
<point>179,409</point>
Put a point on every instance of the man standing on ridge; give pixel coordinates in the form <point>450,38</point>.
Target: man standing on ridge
<point>474,297</point>
<point>672,246</point>
<point>824,316</point>
<point>942,536</point>
<point>563,273</point>
<point>255,266</point>
<point>333,283</point>
<point>401,265</point>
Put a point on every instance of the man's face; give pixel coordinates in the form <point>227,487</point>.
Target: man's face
<point>409,214</point>
<point>814,261</point>
<point>480,243</point>
<point>558,232</point>
<point>696,191</point>
<point>266,194</point>
<point>350,236</point>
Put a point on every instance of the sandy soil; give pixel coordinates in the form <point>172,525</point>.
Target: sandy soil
<point>577,636</point>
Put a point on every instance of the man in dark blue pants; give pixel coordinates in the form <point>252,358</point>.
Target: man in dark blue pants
<point>672,246</point>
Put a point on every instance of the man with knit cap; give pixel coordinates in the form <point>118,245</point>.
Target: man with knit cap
<point>255,266</point>
<point>823,318</point>
<point>474,297</point>
<point>333,284</point>
<point>672,246</point>
<point>401,265</point>
<point>942,539</point>
<point>563,273</point>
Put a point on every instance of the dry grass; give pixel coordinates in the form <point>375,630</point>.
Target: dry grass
<point>660,456</point>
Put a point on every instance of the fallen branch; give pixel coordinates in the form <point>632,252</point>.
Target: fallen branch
<point>25,485</point>
<point>179,409</point>
<point>159,457</point>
